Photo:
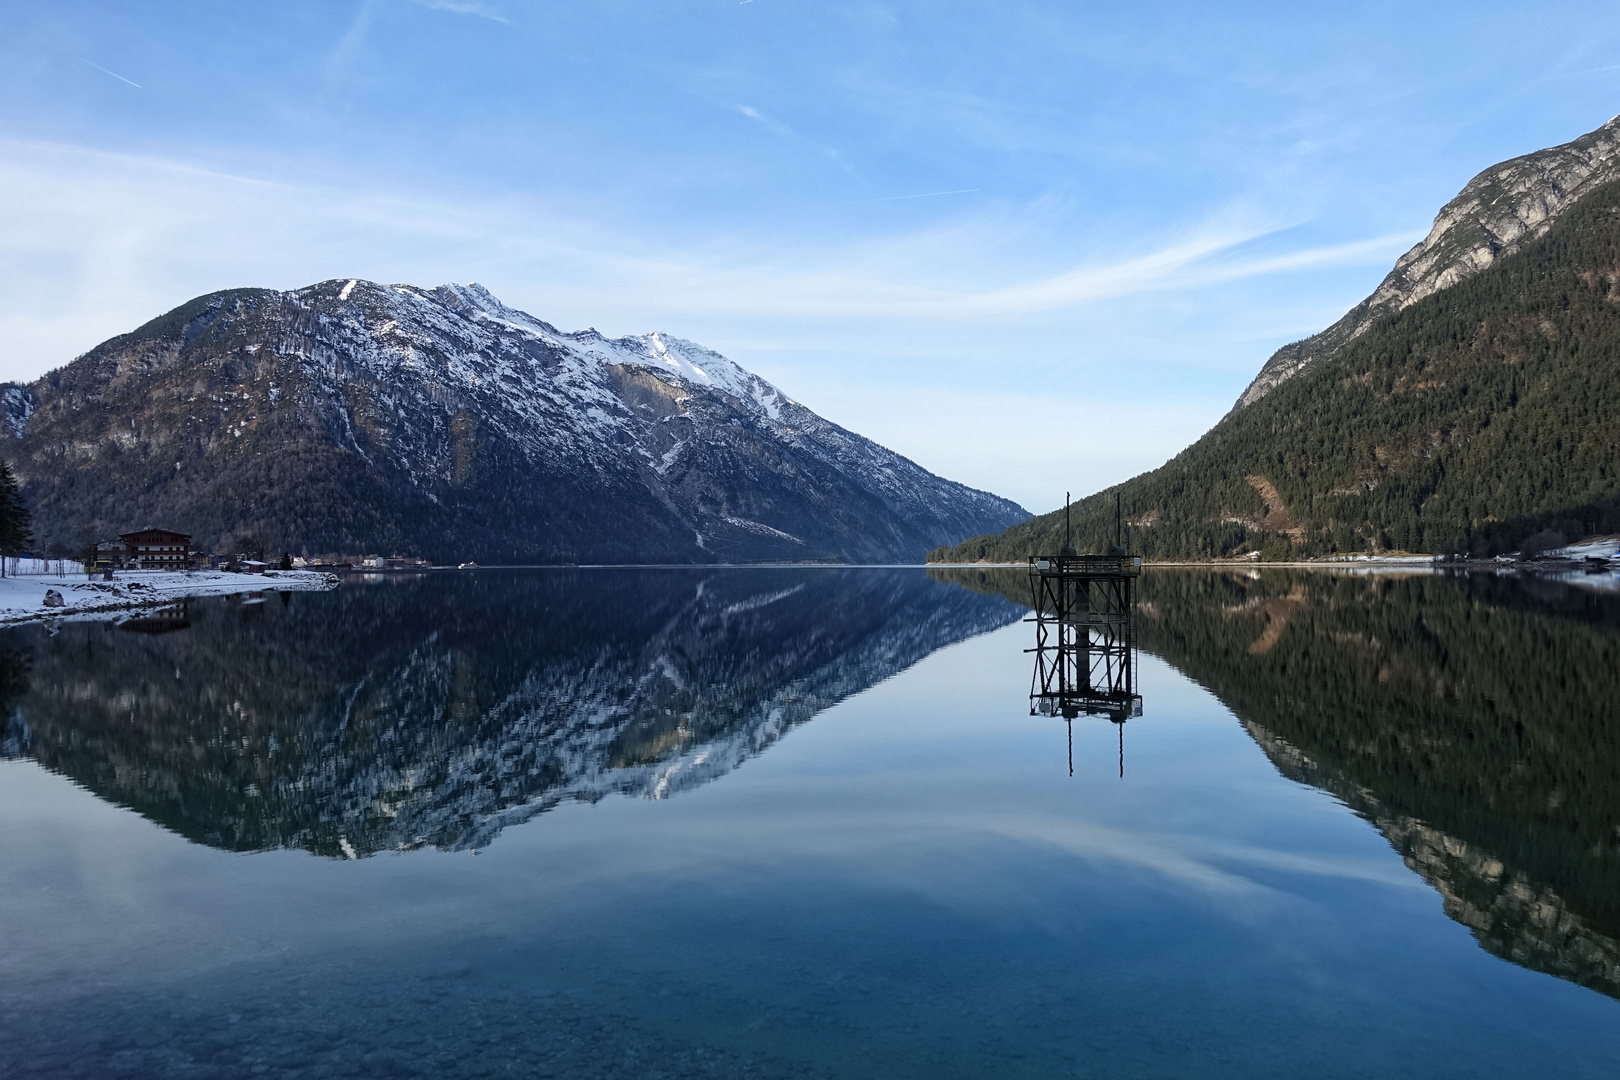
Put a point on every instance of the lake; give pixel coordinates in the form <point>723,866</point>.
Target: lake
<point>802,823</point>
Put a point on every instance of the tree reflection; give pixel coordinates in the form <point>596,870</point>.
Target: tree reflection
<point>1470,719</point>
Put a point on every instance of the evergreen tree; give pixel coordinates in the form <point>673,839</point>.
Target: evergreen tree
<point>15,534</point>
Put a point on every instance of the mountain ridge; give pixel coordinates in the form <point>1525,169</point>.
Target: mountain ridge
<point>1472,420</point>
<point>1498,211</point>
<point>349,415</point>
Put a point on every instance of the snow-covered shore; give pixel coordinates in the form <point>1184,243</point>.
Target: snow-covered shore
<point>23,599</point>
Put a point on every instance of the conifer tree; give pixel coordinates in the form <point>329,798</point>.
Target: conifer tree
<point>15,534</point>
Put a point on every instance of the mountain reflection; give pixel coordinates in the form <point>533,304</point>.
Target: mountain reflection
<point>436,711</point>
<point>1471,720</point>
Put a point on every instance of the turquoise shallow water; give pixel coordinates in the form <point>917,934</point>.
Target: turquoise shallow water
<point>801,823</point>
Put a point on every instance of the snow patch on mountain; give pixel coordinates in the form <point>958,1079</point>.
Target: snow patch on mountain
<point>467,429</point>
<point>16,406</point>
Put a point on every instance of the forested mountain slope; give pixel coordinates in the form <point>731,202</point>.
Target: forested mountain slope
<point>1496,213</point>
<point>350,416</point>
<point>1468,421</point>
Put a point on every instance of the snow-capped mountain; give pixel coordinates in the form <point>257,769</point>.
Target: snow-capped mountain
<point>438,711</point>
<point>355,416</point>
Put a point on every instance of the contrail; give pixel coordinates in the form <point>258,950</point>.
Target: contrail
<point>114,74</point>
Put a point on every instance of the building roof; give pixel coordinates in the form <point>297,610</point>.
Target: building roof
<point>155,536</point>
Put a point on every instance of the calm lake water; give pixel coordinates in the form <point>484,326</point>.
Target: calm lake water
<point>706,823</point>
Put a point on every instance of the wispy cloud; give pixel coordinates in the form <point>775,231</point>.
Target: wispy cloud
<point>114,74</point>
<point>919,195</point>
<point>344,55</point>
<point>773,126</point>
<point>1186,265</point>
<point>155,217</point>
<point>781,130</point>
<point>464,7</point>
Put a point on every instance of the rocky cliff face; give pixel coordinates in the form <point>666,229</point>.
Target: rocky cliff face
<point>1499,211</point>
<point>352,416</point>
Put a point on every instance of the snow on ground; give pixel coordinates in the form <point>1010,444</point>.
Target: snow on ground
<point>22,599</point>
<point>1599,547</point>
<point>1383,560</point>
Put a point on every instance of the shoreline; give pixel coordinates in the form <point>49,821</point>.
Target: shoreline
<point>1398,562</point>
<point>22,599</point>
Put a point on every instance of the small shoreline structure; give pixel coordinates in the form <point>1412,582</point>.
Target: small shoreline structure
<point>35,597</point>
<point>1085,635</point>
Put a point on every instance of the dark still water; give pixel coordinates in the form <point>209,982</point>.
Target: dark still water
<point>800,823</point>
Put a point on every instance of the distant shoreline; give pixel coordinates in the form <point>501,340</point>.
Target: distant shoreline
<point>23,598</point>
<point>1389,562</point>
<point>623,566</point>
<point>1394,562</point>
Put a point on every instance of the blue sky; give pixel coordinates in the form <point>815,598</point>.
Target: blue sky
<point>1034,246</point>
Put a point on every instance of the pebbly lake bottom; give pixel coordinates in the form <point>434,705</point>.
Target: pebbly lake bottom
<point>900,879</point>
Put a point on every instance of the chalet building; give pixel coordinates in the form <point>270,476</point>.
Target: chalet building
<point>114,553</point>
<point>157,549</point>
